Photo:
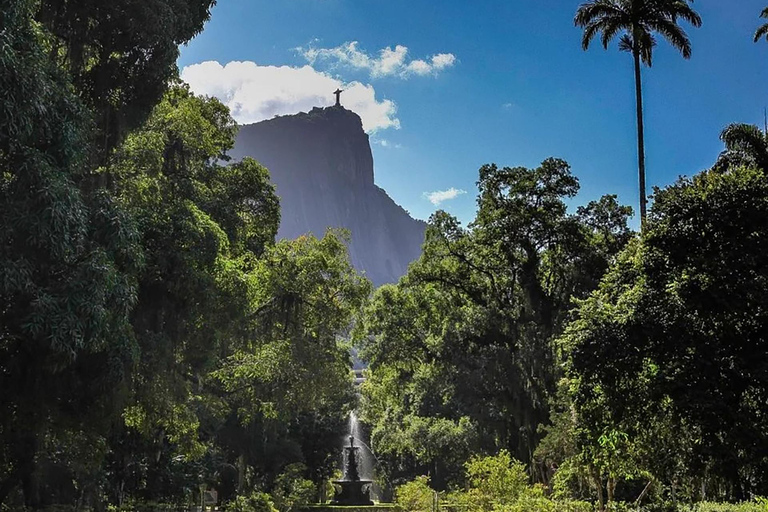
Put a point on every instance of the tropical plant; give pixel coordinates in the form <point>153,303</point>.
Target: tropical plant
<point>745,145</point>
<point>762,31</point>
<point>638,20</point>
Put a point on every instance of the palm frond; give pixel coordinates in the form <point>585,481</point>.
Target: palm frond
<point>597,9</point>
<point>639,18</point>
<point>674,34</point>
<point>590,31</point>
<point>681,9</point>
<point>647,44</point>
<point>739,135</point>
<point>609,32</point>
<point>626,44</point>
<point>729,159</point>
<point>745,144</point>
<point>761,31</point>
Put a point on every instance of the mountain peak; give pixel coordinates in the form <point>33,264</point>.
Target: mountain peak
<point>322,167</point>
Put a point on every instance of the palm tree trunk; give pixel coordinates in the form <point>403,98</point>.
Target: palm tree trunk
<point>640,138</point>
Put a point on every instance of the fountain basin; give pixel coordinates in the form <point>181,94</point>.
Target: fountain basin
<point>353,493</point>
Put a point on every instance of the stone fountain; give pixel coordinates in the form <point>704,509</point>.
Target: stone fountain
<point>352,490</point>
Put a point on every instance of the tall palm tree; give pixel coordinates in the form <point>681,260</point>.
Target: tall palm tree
<point>637,21</point>
<point>745,145</point>
<point>763,30</point>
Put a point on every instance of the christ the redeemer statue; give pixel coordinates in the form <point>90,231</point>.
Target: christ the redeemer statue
<point>338,97</point>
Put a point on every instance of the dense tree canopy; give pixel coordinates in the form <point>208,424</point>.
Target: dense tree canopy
<point>679,324</point>
<point>151,329</point>
<point>68,258</point>
<point>460,350</point>
<point>119,54</point>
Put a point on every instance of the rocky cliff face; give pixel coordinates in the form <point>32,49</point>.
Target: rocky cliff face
<point>322,167</point>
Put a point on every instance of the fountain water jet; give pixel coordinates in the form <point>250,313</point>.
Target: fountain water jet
<point>354,490</point>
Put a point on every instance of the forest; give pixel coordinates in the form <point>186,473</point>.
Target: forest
<point>157,341</point>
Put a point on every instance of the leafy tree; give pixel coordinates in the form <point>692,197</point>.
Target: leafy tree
<point>293,491</point>
<point>460,350</point>
<point>68,257</point>
<point>255,502</point>
<point>75,77</point>
<point>201,226</point>
<point>638,20</point>
<point>291,386</point>
<point>499,479</point>
<point>500,483</point>
<point>239,337</point>
<point>678,324</point>
<point>120,55</point>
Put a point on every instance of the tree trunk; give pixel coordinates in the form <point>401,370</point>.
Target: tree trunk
<point>240,474</point>
<point>642,494</point>
<point>640,137</point>
<point>598,479</point>
<point>610,488</point>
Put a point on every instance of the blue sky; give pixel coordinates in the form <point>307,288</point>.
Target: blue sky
<point>512,87</point>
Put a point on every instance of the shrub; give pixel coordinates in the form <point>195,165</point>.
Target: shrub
<point>467,501</point>
<point>292,490</point>
<point>533,499</point>
<point>415,496</point>
<point>498,479</point>
<point>759,505</point>
<point>256,502</point>
<point>500,484</point>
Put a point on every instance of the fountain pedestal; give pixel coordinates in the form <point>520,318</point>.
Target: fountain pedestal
<point>353,491</point>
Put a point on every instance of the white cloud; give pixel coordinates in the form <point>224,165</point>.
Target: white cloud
<point>389,62</point>
<point>386,144</point>
<point>254,92</point>
<point>443,60</point>
<point>439,196</point>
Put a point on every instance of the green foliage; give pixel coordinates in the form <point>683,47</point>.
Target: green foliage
<point>757,505</point>
<point>415,496</point>
<point>239,336</point>
<point>499,479</point>
<point>120,55</point>
<point>75,77</point>
<point>306,293</point>
<point>292,491</point>
<point>534,500</point>
<point>500,483</point>
<point>255,502</point>
<point>197,221</point>
<point>679,320</point>
<point>745,145</point>
<point>68,257</point>
<point>460,350</point>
